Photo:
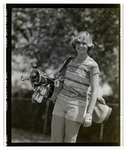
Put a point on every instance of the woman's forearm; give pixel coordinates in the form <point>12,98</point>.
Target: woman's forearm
<point>92,102</point>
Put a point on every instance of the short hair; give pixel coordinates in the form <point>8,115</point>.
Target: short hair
<point>80,37</point>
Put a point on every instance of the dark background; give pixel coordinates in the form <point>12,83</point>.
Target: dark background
<point>39,36</point>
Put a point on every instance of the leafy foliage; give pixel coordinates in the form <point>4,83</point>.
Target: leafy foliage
<point>44,35</point>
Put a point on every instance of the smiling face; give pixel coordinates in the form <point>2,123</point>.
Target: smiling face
<point>82,39</point>
<point>82,47</point>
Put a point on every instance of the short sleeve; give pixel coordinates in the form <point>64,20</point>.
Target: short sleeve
<point>94,69</point>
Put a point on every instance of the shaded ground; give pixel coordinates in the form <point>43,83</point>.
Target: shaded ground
<point>21,136</point>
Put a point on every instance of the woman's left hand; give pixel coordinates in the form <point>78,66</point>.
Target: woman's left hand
<point>88,120</point>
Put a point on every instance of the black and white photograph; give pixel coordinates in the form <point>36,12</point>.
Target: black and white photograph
<point>63,75</point>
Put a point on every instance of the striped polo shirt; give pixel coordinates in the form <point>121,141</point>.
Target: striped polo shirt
<point>77,81</point>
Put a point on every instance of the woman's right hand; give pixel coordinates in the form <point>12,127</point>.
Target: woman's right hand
<point>56,83</point>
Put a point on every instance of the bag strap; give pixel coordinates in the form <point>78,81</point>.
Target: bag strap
<point>65,63</point>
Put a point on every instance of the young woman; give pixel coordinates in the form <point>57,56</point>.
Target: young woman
<point>72,109</point>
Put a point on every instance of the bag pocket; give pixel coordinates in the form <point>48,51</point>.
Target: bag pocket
<point>101,111</point>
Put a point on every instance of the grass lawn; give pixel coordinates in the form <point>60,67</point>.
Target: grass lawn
<point>21,136</point>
